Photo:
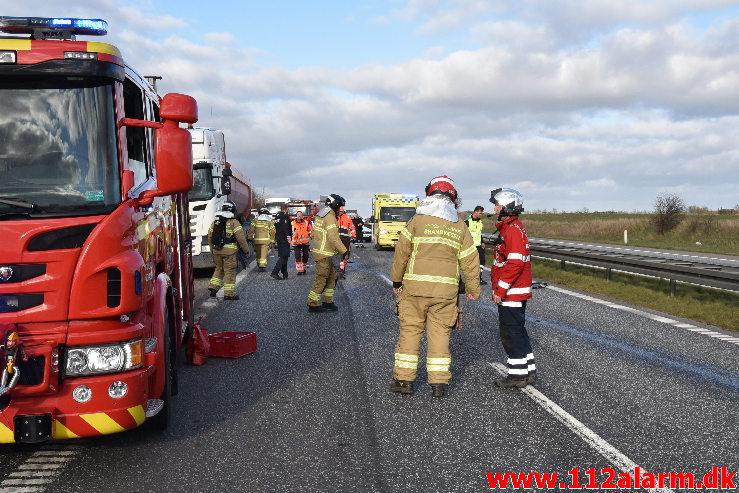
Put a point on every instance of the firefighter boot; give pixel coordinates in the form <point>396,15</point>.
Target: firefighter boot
<point>213,292</point>
<point>402,386</point>
<point>316,309</point>
<point>233,297</point>
<point>330,307</point>
<point>509,383</point>
<point>531,378</point>
<point>439,389</point>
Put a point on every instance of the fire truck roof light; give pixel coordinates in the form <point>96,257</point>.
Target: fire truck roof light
<point>53,27</point>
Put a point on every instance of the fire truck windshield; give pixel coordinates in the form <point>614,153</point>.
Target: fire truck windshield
<point>58,146</point>
<point>202,183</point>
<point>397,213</point>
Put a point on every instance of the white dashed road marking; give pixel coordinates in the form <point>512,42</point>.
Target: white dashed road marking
<point>595,441</point>
<point>651,316</point>
<point>41,469</point>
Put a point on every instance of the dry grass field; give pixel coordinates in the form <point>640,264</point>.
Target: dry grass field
<point>707,233</point>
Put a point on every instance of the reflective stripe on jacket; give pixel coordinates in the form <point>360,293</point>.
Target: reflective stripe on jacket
<point>475,226</point>
<point>235,238</point>
<point>511,272</point>
<point>262,231</point>
<point>301,232</point>
<point>428,257</point>
<point>326,242</point>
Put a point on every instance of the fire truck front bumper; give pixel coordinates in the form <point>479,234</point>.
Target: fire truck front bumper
<point>83,407</point>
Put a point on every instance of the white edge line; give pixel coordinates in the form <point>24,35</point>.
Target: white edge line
<point>595,441</point>
<point>657,318</point>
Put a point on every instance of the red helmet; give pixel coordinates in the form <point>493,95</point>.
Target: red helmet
<point>442,184</point>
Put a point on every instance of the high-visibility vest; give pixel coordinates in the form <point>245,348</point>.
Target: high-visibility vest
<point>475,230</point>
<point>301,232</point>
<point>346,226</point>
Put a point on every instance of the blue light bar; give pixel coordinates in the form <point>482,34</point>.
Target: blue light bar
<point>53,27</point>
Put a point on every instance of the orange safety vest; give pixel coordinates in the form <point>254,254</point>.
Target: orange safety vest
<point>301,232</point>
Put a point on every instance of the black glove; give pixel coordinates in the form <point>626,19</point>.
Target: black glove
<point>397,285</point>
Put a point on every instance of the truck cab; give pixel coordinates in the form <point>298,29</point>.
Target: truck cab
<point>208,194</point>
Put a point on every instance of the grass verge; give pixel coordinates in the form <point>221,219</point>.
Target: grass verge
<point>711,306</point>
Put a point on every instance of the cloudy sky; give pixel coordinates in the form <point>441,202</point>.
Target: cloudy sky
<point>597,104</point>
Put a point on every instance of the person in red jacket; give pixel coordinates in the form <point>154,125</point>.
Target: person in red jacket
<point>511,283</point>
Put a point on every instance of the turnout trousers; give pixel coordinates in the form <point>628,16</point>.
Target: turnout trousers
<point>301,256</point>
<point>436,317</point>
<point>515,340</point>
<point>324,282</point>
<point>261,253</point>
<point>224,273</point>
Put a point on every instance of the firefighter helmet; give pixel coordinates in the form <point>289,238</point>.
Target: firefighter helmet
<point>335,202</point>
<point>264,210</point>
<point>442,185</point>
<point>229,206</point>
<point>511,200</point>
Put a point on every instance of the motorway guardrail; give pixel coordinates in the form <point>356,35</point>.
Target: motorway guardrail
<point>705,273</point>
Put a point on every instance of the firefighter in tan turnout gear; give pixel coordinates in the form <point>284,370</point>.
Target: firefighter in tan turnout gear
<point>430,251</point>
<point>262,234</point>
<point>225,236</point>
<point>326,244</point>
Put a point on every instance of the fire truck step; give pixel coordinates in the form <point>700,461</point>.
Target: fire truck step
<point>153,406</point>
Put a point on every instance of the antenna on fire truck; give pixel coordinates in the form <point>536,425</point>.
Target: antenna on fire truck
<point>152,79</point>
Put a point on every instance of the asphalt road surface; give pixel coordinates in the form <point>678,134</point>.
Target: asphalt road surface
<point>618,387</point>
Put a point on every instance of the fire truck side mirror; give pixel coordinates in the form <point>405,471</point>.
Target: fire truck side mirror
<point>179,107</point>
<point>173,152</point>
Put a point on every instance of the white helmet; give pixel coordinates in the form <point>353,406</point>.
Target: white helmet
<point>510,199</point>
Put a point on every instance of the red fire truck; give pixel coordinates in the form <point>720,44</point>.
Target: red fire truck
<point>95,272</point>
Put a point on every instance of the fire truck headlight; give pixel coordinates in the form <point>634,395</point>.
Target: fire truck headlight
<point>7,56</point>
<point>76,361</point>
<point>110,358</point>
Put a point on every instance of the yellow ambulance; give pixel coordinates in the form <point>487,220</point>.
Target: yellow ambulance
<point>390,213</point>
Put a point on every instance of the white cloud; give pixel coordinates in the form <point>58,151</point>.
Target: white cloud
<point>600,106</point>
